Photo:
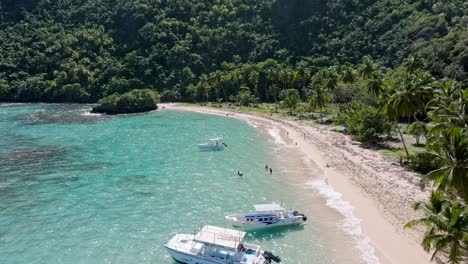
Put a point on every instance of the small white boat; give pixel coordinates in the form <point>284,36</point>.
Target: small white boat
<point>266,215</point>
<point>216,245</point>
<point>215,144</point>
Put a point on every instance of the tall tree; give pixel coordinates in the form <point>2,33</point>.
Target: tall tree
<point>446,225</point>
<point>366,68</point>
<point>451,147</point>
<point>290,99</point>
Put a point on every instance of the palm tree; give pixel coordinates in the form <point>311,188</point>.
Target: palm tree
<point>375,84</point>
<point>254,77</point>
<point>317,99</point>
<point>410,96</point>
<point>366,68</point>
<point>303,74</point>
<point>446,227</point>
<point>451,147</point>
<point>326,78</point>
<point>417,129</point>
<point>449,106</point>
<point>271,75</point>
<point>290,99</point>
<point>331,79</point>
<point>348,75</point>
<point>413,63</point>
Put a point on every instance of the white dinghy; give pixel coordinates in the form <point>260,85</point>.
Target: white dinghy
<point>266,215</point>
<point>215,144</point>
<point>216,245</point>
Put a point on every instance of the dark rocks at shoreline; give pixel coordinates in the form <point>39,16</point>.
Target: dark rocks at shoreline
<point>111,110</point>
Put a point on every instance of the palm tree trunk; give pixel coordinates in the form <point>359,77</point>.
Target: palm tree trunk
<point>402,140</point>
<point>276,103</point>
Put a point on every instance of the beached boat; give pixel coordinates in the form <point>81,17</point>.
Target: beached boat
<point>266,215</point>
<point>215,245</point>
<point>215,144</point>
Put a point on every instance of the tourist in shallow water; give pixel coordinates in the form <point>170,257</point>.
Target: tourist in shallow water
<point>271,171</point>
<point>266,166</point>
<point>240,174</point>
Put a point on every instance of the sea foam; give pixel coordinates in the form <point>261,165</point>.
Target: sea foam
<point>274,133</point>
<point>351,224</point>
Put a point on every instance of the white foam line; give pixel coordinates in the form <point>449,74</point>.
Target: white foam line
<point>252,124</point>
<point>351,224</point>
<point>274,133</point>
<point>88,113</point>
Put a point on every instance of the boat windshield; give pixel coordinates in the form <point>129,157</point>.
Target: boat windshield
<point>268,207</point>
<point>225,237</point>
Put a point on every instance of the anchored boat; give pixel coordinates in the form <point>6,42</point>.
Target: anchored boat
<point>266,215</point>
<point>215,144</point>
<point>216,245</point>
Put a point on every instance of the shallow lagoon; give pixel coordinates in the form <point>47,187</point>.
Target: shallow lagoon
<point>80,188</point>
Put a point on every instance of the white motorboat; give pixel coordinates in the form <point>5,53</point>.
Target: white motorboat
<point>266,215</point>
<point>216,245</point>
<point>215,144</point>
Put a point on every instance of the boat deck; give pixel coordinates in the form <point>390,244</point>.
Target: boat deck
<point>185,244</point>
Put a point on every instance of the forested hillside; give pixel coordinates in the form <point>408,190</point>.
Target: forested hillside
<point>83,50</point>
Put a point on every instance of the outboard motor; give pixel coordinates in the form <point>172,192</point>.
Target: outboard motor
<point>269,257</point>
<point>296,213</point>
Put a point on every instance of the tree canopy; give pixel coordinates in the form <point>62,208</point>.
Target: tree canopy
<point>84,50</point>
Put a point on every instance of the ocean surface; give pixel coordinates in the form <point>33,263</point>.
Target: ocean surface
<point>83,188</point>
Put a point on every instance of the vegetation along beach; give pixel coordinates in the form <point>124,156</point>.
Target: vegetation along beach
<point>234,131</point>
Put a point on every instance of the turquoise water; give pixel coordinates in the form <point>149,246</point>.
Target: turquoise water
<point>79,188</point>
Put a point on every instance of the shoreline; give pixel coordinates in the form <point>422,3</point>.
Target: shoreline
<point>377,192</point>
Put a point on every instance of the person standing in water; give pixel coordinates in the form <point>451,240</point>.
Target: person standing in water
<point>271,171</point>
<point>266,166</point>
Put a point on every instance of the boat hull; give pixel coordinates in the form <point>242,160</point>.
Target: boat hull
<point>252,226</point>
<point>192,259</point>
<point>187,258</point>
<point>252,221</point>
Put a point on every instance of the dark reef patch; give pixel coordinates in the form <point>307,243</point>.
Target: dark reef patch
<point>62,114</point>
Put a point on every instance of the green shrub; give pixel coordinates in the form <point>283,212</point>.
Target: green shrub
<point>424,162</point>
<point>135,101</point>
<point>170,96</point>
<point>290,99</point>
<point>417,129</point>
<point>367,124</point>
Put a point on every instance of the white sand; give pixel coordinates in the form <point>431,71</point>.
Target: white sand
<point>374,191</point>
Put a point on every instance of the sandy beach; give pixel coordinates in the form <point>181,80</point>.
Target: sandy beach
<point>377,192</point>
